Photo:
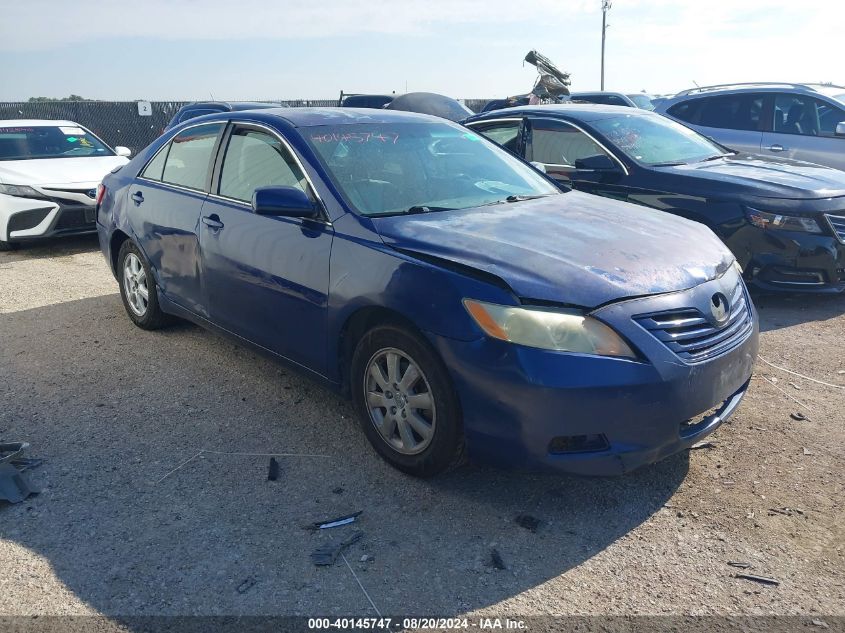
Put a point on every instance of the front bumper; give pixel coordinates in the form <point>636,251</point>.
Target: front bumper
<point>790,261</point>
<point>518,402</point>
<point>26,219</point>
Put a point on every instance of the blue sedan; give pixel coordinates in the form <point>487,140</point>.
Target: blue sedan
<point>466,304</point>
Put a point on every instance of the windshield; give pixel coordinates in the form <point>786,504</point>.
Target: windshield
<point>656,140</point>
<point>395,168</point>
<point>642,101</point>
<point>47,141</point>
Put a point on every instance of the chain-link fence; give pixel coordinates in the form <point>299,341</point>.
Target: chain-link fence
<point>119,122</point>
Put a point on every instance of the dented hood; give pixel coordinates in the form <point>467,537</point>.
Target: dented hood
<point>572,248</point>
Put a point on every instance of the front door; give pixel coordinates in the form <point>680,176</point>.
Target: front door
<point>265,278</point>
<point>573,158</point>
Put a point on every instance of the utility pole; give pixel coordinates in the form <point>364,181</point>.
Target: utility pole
<point>605,7</point>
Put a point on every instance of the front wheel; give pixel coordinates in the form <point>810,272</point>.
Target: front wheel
<point>138,288</point>
<point>406,402</point>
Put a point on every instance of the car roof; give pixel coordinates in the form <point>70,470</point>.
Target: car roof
<point>231,105</point>
<point>580,111</point>
<point>597,92</point>
<point>307,117</point>
<point>36,123</point>
<point>808,88</point>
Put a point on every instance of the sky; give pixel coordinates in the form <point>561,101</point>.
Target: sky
<point>312,49</point>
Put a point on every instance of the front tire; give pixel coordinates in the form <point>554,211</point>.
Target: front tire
<point>138,288</point>
<point>406,403</point>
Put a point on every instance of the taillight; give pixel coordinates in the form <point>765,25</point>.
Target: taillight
<point>101,193</point>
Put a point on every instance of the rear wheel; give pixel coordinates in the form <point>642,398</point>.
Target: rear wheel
<point>406,402</point>
<point>138,288</point>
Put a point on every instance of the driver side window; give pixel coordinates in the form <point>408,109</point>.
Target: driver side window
<point>559,144</point>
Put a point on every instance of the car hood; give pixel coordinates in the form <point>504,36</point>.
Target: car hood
<point>572,248</point>
<point>54,171</point>
<point>765,177</point>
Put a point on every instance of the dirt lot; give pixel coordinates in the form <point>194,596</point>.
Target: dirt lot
<point>117,531</point>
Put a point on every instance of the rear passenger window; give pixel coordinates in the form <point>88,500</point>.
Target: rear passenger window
<point>685,111</point>
<point>732,112</point>
<point>155,167</point>
<point>257,159</point>
<point>189,159</point>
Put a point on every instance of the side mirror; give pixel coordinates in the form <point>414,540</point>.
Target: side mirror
<point>123,151</point>
<point>290,202</point>
<point>599,162</point>
<point>840,128</point>
<point>539,166</point>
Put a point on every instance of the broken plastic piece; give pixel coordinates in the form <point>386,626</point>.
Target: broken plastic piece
<point>496,559</point>
<point>761,579</point>
<point>273,472</point>
<point>798,416</point>
<point>327,554</point>
<point>330,523</point>
<point>734,563</point>
<point>699,445</point>
<point>13,487</point>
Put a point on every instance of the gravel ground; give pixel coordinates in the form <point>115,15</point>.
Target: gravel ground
<point>131,521</point>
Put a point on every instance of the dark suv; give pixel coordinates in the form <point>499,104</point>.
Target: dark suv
<point>799,121</point>
<point>199,108</point>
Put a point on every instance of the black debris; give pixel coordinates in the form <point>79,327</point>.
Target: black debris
<point>273,472</point>
<point>247,584</point>
<point>798,416</point>
<point>338,491</point>
<point>327,554</point>
<point>530,523</point>
<point>496,559</point>
<point>734,563</point>
<point>760,579</point>
<point>346,519</point>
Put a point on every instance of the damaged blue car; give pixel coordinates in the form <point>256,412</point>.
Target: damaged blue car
<point>467,305</point>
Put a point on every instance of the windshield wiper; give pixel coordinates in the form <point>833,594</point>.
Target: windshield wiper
<point>669,164</point>
<point>716,157</point>
<point>416,209</point>
<point>521,198</point>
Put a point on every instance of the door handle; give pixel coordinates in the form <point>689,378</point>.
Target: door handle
<point>212,221</point>
<point>777,148</point>
<point>137,198</point>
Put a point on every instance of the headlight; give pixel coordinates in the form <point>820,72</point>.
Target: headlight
<point>21,191</point>
<point>766,220</point>
<point>564,331</point>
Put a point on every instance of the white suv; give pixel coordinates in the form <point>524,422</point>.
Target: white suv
<point>49,172</point>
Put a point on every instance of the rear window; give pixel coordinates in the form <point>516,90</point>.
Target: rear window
<point>732,112</point>
<point>48,141</point>
<point>186,160</point>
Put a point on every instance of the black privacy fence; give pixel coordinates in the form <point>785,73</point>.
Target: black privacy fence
<point>122,122</point>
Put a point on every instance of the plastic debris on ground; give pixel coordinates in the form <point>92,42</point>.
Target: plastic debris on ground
<point>327,554</point>
<point>14,487</point>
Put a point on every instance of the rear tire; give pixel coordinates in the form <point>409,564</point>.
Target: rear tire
<point>406,402</point>
<point>8,246</point>
<point>138,288</point>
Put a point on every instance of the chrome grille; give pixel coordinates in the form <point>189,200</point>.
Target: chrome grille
<point>690,335</point>
<point>837,222</point>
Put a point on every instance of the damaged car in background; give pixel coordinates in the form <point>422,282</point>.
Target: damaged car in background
<point>783,219</point>
<point>467,304</point>
<point>49,172</point>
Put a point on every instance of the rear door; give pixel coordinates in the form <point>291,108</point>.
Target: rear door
<point>804,128</point>
<point>734,120</point>
<point>167,197</point>
<point>265,278</point>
